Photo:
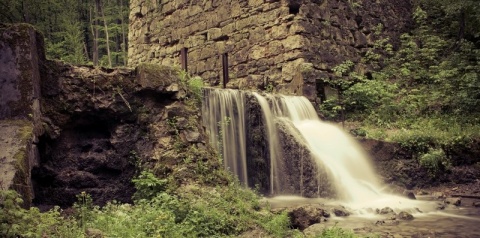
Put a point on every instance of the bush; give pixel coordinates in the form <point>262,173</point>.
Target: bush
<point>435,161</point>
<point>16,221</point>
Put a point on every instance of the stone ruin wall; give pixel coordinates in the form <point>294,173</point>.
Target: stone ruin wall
<point>285,45</point>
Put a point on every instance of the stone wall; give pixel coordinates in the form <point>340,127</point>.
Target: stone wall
<point>276,45</point>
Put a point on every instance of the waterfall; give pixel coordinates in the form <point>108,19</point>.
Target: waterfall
<point>224,117</point>
<point>328,149</point>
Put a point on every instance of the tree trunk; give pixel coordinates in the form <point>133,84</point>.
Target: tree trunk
<point>107,39</point>
<point>124,42</point>
<point>95,38</point>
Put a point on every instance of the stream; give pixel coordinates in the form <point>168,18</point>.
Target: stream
<point>453,221</point>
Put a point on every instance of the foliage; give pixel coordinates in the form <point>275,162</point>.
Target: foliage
<point>194,85</point>
<point>335,232</point>
<point>69,27</point>
<point>148,186</point>
<point>195,212</point>
<point>424,94</point>
<point>331,109</point>
<point>435,161</point>
<point>16,221</point>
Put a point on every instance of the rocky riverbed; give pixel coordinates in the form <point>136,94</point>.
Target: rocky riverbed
<point>449,210</point>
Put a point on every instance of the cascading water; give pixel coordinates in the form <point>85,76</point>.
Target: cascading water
<point>349,171</point>
<point>274,146</point>
<point>337,161</point>
<point>224,116</point>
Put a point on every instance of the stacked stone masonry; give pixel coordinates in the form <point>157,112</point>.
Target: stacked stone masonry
<point>282,45</point>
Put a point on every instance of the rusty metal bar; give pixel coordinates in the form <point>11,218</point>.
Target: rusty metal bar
<point>183,58</point>
<point>225,69</point>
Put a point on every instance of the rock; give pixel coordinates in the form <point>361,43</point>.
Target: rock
<point>385,210</point>
<point>340,212</point>
<point>423,192</point>
<point>404,216</point>
<point>440,206</point>
<point>192,136</point>
<point>453,201</point>
<point>181,94</point>
<point>438,195</point>
<point>409,194</point>
<point>326,214</point>
<point>157,78</point>
<point>476,204</point>
<point>304,216</point>
<point>181,123</point>
<point>387,222</point>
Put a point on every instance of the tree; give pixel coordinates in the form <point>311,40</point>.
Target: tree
<point>75,31</point>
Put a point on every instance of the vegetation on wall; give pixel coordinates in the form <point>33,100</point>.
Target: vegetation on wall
<point>77,32</point>
<point>424,94</point>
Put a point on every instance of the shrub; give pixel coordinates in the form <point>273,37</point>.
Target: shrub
<point>16,221</point>
<point>435,161</point>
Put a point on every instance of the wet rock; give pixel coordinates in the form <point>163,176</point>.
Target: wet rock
<point>404,216</point>
<point>340,212</point>
<point>326,214</point>
<point>438,195</point>
<point>304,216</point>
<point>453,201</point>
<point>476,204</point>
<point>440,206</point>
<point>385,210</point>
<point>423,192</point>
<point>387,222</point>
<point>409,194</point>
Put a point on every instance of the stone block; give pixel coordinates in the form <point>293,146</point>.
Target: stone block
<point>245,23</point>
<point>255,3</point>
<point>257,52</point>
<point>214,34</point>
<point>279,32</point>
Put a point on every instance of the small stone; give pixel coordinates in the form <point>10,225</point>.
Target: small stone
<point>409,194</point>
<point>340,212</point>
<point>453,201</point>
<point>172,88</point>
<point>440,206</point>
<point>405,216</point>
<point>326,214</point>
<point>181,123</point>
<point>192,136</point>
<point>438,195</point>
<point>385,210</point>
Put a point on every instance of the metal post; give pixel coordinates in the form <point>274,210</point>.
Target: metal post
<point>183,58</point>
<point>225,69</point>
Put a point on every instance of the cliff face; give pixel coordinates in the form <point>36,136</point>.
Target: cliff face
<point>21,54</point>
<point>281,45</point>
<point>105,125</point>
